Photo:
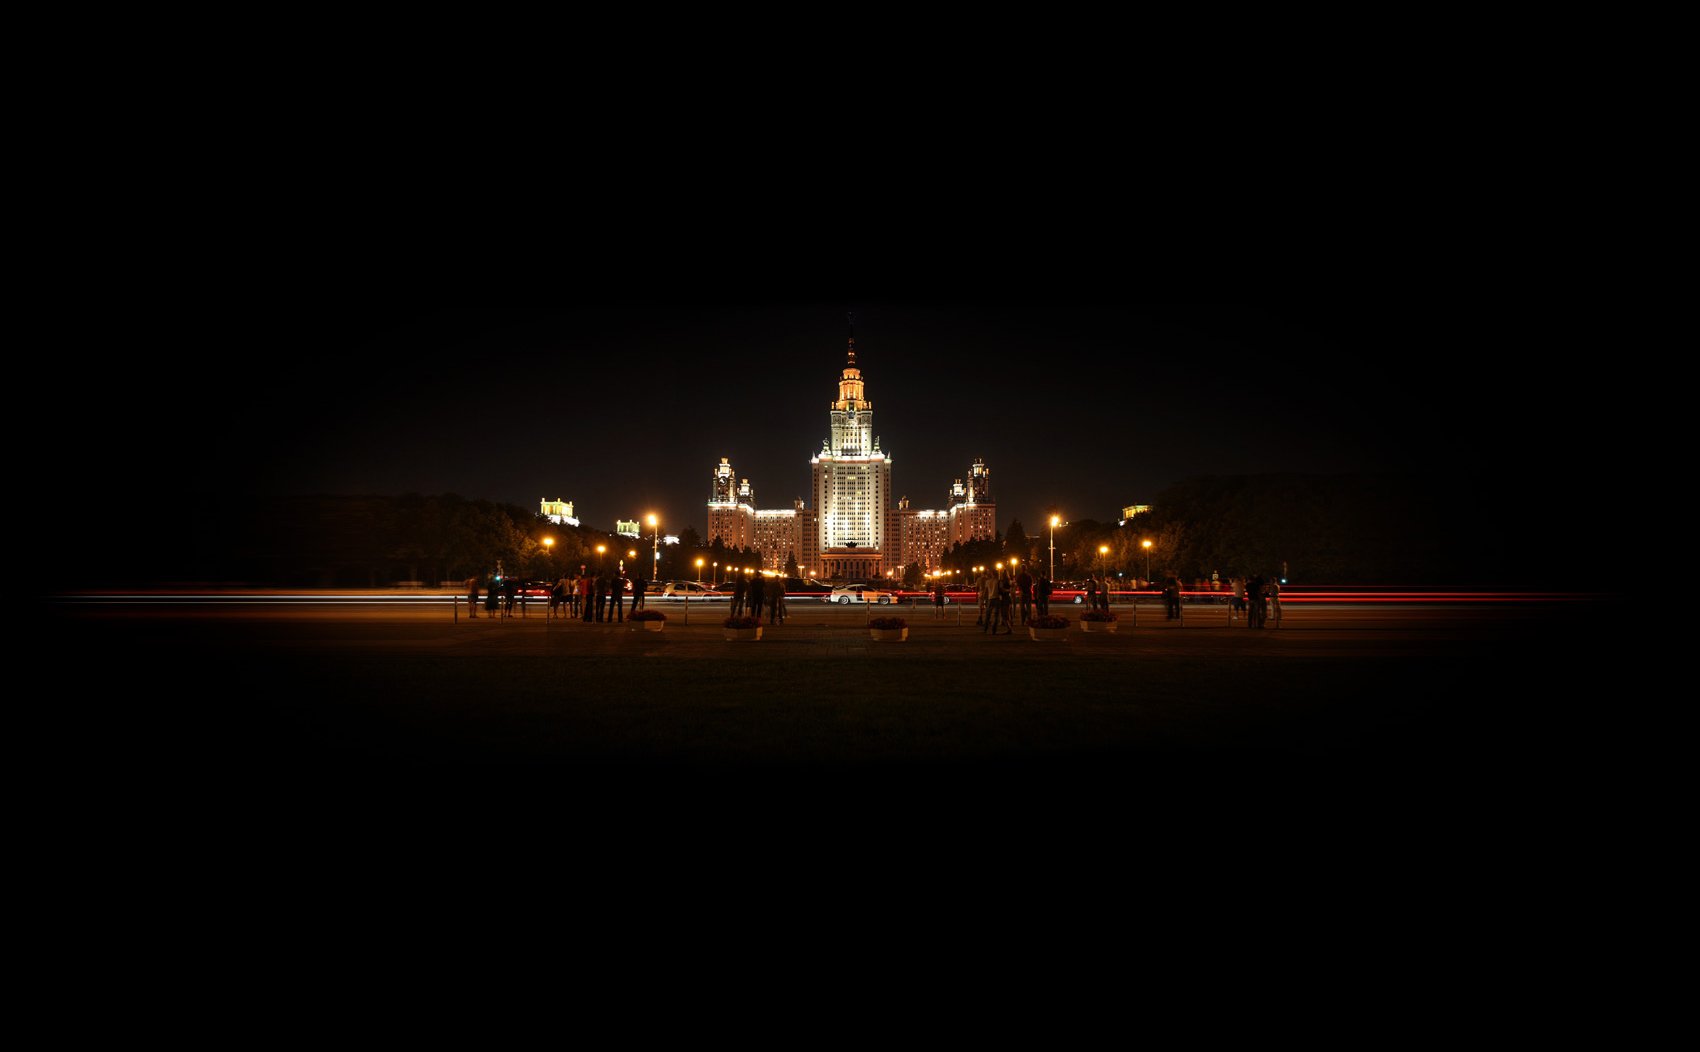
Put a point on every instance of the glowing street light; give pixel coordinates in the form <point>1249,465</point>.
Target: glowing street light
<point>655,542</point>
<point>1103,553</point>
<point>1055,522</point>
<point>601,550</point>
<point>1146,544</point>
<point>699,571</point>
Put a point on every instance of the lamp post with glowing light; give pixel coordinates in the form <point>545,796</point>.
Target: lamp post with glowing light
<point>655,542</point>
<point>1054,521</point>
<point>699,571</point>
<point>601,550</point>
<point>1146,544</point>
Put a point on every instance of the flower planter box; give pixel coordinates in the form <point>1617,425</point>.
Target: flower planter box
<point>653,626</point>
<point>888,635</point>
<point>1098,626</point>
<point>1048,635</point>
<point>741,634</point>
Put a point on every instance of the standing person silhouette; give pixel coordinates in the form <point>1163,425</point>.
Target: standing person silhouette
<point>472,595</point>
<point>1254,601</point>
<point>753,596</point>
<point>1004,598</point>
<point>639,588</point>
<point>1044,595</point>
<point>1024,585</point>
<point>601,596</point>
<point>740,588</point>
<point>617,596</point>
<point>938,598</point>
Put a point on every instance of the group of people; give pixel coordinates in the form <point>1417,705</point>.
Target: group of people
<point>598,597</point>
<point>752,593</point>
<point>500,594</point>
<point>1256,597</point>
<point>1008,594</point>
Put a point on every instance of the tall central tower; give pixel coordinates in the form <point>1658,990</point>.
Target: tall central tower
<point>852,485</point>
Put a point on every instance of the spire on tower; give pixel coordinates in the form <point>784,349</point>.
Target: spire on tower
<point>851,318</point>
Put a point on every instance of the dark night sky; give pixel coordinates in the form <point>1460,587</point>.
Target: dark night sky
<point>624,404</point>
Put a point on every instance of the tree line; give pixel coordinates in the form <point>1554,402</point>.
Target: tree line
<point>1318,529</point>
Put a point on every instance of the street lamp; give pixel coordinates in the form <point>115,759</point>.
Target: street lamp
<point>1103,552</point>
<point>699,571</point>
<point>1054,521</point>
<point>1146,544</point>
<point>714,578</point>
<point>601,550</point>
<point>655,542</point>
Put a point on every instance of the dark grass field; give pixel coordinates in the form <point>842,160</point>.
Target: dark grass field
<point>1372,721</point>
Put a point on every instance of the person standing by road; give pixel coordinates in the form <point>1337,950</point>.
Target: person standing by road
<point>617,595</point>
<point>1254,601</point>
<point>938,598</point>
<point>1005,599</point>
<point>1024,586</point>
<point>1043,596</point>
<point>753,596</point>
<point>740,587</point>
<point>639,588</point>
<point>472,596</point>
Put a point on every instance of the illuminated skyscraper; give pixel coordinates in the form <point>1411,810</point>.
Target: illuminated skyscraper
<point>852,485</point>
<point>856,529</point>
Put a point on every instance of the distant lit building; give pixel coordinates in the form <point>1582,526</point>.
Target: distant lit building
<point>730,516</point>
<point>855,529</point>
<point>627,528</point>
<point>973,512</point>
<point>559,512</point>
<point>1134,509</point>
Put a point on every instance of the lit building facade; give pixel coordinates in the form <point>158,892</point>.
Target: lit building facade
<point>973,511</point>
<point>730,514</point>
<point>559,512</point>
<point>855,529</point>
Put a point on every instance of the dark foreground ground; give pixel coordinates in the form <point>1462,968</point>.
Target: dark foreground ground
<point>1353,715</point>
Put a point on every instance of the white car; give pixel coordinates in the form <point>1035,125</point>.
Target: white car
<point>856,593</point>
<point>692,590</point>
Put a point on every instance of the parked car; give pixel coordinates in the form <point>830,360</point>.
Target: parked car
<point>806,586</point>
<point>855,593</point>
<point>691,590</point>
<point>534,589</point>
